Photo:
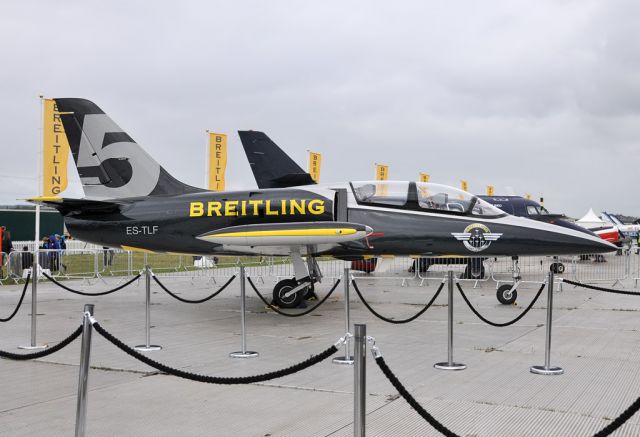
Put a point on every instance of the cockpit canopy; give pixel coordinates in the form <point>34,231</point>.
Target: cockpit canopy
<point>423,196</point>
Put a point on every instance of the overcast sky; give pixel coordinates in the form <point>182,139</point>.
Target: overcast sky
<point>530,96</point>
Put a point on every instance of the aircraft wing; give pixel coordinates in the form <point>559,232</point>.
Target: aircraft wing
<point>288,234</point>
<point>271,167</point>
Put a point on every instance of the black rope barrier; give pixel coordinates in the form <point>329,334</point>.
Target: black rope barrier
<point>15,311</point>
<point>204,299</point>
<point>397,322</point>
<point>393,379</point>
<point>620,420</point>
<point>314,359</point>
<point>501,325</point>
<point>595,287</point>
<point>411,400</point>
<point>282,313</point>
<point>82,293</point>
<point>48,351</point>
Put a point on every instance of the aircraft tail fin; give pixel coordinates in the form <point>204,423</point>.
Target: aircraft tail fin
<point>110,163</point>
<point>271,167</point>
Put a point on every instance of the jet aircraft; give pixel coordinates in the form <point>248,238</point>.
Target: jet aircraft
<point>134,203</point>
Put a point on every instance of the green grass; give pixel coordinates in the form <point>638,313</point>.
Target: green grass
<point>83,265</point>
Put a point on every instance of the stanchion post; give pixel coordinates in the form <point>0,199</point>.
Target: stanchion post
<point>450,364</point>
<point>359,379</point>
<point>547,369</point>
<point>147,347</point>
<point>244,353</point>
<point>347,358</point>
<point>83,374</point>
<point>34,305</point>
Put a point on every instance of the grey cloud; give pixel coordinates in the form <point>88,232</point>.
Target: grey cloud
<point>543,97</point>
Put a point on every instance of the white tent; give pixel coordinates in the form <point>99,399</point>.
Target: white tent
<point>591,220</point>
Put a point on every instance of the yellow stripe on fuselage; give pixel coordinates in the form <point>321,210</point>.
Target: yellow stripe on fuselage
<point>328,232</point>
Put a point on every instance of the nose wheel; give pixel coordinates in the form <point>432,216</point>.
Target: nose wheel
<point>507,294</point>
<point>557,267</point>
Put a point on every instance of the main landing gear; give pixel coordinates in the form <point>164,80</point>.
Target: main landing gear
<point>291,293</point>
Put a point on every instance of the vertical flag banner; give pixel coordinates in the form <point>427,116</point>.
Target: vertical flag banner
<point>217,161</point>
<point>541,200</point>
<point>382,174</point>
<point>490,190</point>
<point>527,196</point>
<point>464,186</point>
<point>55,151</point>
<point>424,191</point>
<point>315,160</point>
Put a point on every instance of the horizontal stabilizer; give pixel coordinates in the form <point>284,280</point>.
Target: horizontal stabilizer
<point>288,234</point>
<point>67,206</point>
<point>271,167</point>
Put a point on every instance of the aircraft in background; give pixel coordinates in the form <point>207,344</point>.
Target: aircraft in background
<point>630,231</point>
<point>134,203</point>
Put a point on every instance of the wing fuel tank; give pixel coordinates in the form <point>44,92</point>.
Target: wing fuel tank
<point>288,234</point>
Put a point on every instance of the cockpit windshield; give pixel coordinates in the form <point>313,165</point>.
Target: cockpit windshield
<point>423,196</point>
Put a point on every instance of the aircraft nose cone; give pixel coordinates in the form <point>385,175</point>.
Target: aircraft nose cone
<point>548,239</point>
<point>576,243</point>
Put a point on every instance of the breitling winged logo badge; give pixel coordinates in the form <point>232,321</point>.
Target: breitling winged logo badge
<point>476,237</point>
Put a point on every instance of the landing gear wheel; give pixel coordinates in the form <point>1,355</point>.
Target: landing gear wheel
<point>557,268</point>
<point>504,296</point>
<point>281,289</point>
<point>310,293</point>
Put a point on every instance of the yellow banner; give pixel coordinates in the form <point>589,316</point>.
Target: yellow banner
<point>464,185</point>
<point>315,160</point>
<point>490,190</point>
<point>217,161</point>
<point>424,177</point>
<point>527,196</point>
<point>55,153</point>
<point>382,174</point>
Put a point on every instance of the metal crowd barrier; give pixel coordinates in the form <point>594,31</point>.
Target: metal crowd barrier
<point>415,271</point>
<point>609,267</point>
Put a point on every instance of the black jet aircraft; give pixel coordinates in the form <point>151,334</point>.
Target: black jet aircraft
<point>134,203</point>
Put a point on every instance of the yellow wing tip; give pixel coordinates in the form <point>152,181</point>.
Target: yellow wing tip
<point>45,199</point>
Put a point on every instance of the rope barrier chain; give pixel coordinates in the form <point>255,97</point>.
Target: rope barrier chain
<point>397,322</point>
<point>282,313</point>
<point>500,325</point>
<point>314,359</point>
<point>82,293</point>
<point>595,287</point>
<point>24,292</point>
<point>441,428</point>
<point>196,301</point>
<point>53,349</point>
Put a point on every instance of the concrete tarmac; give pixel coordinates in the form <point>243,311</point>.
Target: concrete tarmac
<point>595,339</point>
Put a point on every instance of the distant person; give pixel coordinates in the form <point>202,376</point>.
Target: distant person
<point>7,244</point>
<point>43,255</point>
<point>7,248</point>
<point>54,254</point>
<point>61,246</point>
<point>26,258</point>
<point>107,256</point>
